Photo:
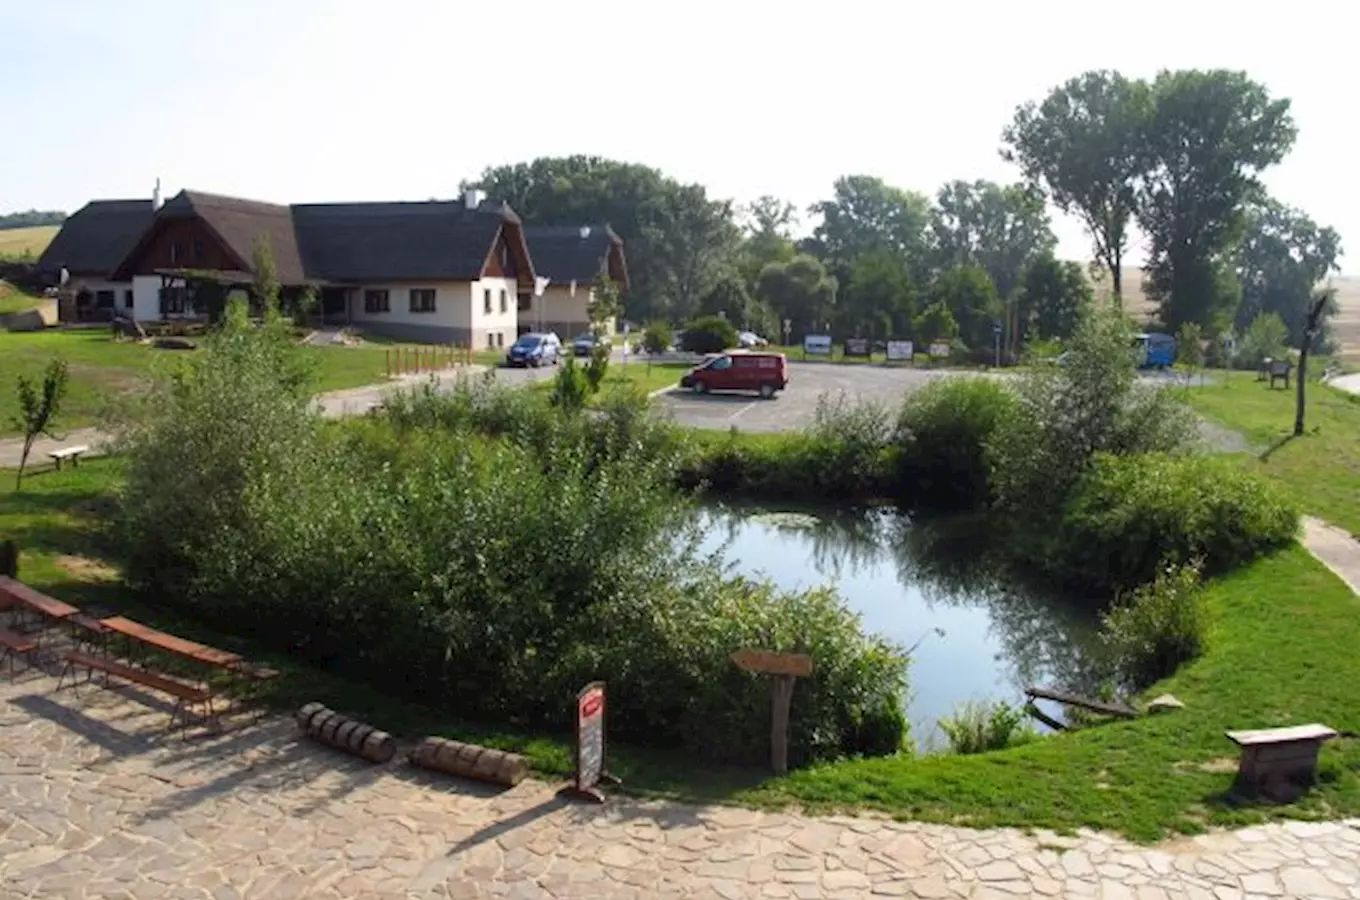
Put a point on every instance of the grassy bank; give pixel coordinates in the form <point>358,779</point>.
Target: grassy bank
<point>1271,624</point>
<point>13,300</point>
<point>101,368</point>
<point>1321,468</point>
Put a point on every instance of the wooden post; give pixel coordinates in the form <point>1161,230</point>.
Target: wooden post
<point>387,359</point>
<point>785,669</point>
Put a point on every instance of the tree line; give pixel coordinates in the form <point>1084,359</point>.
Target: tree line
<point>1179,156</point>
<point>30,217</point>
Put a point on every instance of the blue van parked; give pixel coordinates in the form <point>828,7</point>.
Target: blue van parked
<point>1154,350</point>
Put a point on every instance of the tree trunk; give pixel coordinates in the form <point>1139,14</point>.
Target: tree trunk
<point>1301,377</point>
<point>23,461</point>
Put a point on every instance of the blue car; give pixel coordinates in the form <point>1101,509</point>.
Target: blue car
<point>534,350</point>
<point>1154,350</point>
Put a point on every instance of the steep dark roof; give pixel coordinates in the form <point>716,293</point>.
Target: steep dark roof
<point>571,252</point>
<point>240,222</point>
<point>380,241</point>
<point>97,237</point>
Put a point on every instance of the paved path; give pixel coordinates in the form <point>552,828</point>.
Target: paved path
<point>1348,383</point>
<point>1335,549</point>
<point>95,804</point>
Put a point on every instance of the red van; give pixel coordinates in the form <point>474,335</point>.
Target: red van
<point>761,373</point>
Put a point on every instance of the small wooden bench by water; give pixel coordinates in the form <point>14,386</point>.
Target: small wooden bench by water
<point>1275,758</point>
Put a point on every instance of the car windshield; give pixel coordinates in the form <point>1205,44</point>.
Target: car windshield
<point>528,342</point>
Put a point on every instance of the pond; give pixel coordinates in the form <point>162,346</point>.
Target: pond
<point>975,634</point>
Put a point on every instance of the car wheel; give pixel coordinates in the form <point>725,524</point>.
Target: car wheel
<point>700,387</point>
<point>766,391</point>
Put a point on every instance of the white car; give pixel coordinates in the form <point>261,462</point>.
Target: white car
<point>751,339</point>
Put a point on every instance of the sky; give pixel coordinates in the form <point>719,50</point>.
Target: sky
<point>296,101</point>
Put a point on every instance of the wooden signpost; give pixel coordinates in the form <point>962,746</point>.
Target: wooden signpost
<point>783,668</point>
<point>590,770</point>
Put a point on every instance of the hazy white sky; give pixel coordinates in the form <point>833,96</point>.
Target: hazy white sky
<point>295,101</point>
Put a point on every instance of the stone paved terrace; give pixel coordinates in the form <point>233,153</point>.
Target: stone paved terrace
<point>95,803</point>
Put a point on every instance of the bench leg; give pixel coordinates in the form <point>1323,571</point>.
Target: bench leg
<point>67,670</point>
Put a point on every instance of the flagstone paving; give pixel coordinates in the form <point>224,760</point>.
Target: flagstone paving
<point>95,802</point>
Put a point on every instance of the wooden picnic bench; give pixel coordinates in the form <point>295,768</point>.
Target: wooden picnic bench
<point>160,640</point>
<point>186,696</point>
<point>17,595</point>
<point>15,645</point>
<point>61,454</point>
<point>1279,371</point>
<point>1279,758</point>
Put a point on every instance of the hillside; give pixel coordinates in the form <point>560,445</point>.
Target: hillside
<point>1346,323</point>
<point>15,242</point>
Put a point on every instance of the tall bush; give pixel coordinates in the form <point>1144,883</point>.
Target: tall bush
<point>1151,632</point>
<point>709,334</point>
<point>1065,415</point>
<point>940,444</point>
<point>1130,516</point>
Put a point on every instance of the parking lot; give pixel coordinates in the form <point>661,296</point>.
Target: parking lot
<point>796,406</point>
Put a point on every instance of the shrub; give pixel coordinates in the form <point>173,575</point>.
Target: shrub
<point>1266,336</point>
<point>1130,516</point>
<point>488,576</point>
<point>709,334</point>
<point>978,727</point>
<point>941,441</point>
<point>572,385</point>
<point>657,337</point>
<point>1149,634</point>
<point>1066,415</point>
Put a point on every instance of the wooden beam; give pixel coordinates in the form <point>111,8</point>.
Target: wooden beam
<point>1037,713</point>
<point>1109,709</point>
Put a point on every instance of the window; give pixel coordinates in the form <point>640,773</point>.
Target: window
<point>377,302</point>
<point>500,339</point>
<point>127,299</point>
<point>486,301</point>
<point>490,341</point>
<point>721,363</point>
<point>172,301</point>
<point>422,300</point>
<point>526,302</point>
<point>505,304</point>
<point>103,299</point>
<point>198,250</point>
<point>174,254</point>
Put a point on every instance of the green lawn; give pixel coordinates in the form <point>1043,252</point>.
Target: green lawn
<point>102,368</point>
<point>13,300</point>
<point>635,375</point>
<point>1322,467</point>
<point>1280,652</point>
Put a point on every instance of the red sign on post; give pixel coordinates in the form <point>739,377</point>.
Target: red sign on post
<point>590,771</point>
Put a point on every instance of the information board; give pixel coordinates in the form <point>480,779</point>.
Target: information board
<point>901,351</point>
<point>940,349</point>
<point>819,344</point>
<point>857,347</point>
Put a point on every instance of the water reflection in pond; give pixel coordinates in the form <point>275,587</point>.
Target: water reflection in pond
<point>977,633</point>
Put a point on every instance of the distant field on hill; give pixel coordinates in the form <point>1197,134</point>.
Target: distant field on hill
<point>1346,323</point>
<point>14,242</point>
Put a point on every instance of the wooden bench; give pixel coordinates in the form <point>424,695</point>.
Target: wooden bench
<point>186,695</point>
<point>31,604</point>
<point>15,645</point>
<point>1278,761</point>
<point>64,453</point>
<point>1279,371</point>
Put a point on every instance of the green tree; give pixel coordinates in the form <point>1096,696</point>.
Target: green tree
<point>1282,259</point>
<point>1209,136</point>
<point>767,224</point>
<point>879,300</point>
<point>605,305</point>
<point>1083,146</point>
<point>1054,297</point>
<point>867,215</point>
<point>1190,349</point>
<point>677,238</point>
<point>265,288</point>
<point>657,337</point>
<point>38,409</point>
<point>935,323</point>
<point>1265,338</point>
<point>994,228</point>
<point>801,291</point>
<point>971,298</point>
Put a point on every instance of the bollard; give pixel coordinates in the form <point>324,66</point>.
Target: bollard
<point>342,733</point>
<point>470,761</point>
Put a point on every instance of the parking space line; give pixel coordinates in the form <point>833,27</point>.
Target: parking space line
<point>742,410</point>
